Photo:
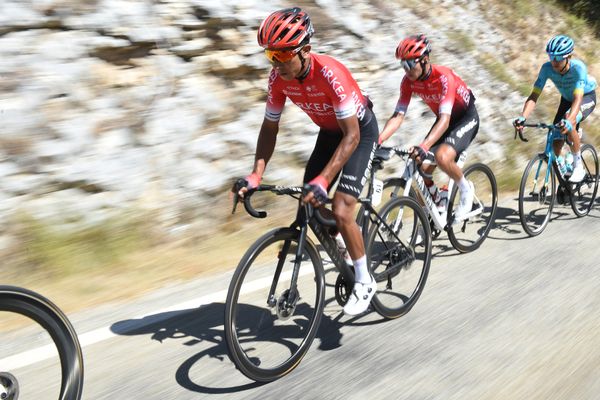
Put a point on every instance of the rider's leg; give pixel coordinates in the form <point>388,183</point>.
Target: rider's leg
<point>587,106</point>
<point>344,206</point>
<point>457,139</point>
<point>352,180</point>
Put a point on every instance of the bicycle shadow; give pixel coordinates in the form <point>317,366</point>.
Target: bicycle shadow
<point>204,325</point>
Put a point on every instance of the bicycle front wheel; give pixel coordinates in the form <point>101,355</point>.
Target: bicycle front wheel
<point>536,195</point>
<point>20,307</point>
<point>469,234</point>
<point>584,193</point>
<point>270,323</point>
<point>399,254</point>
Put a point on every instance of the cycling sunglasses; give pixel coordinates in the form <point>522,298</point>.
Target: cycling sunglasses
<point>409,64</point>
<point>281,56</point>
<point>556,58</point>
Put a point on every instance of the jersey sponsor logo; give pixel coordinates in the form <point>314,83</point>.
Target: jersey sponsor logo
<point>360,108</point>
<point>431,98</point>
<point>444,80</point>
<point>289,94</point>
<point>464,93</point>
<point>586,106</point>
<point>314,107</point>
<point>461,132</point>
<point>272,78</point>
<point>337,87</point>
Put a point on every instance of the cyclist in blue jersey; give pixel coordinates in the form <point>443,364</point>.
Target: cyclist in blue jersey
<point>578,96</point>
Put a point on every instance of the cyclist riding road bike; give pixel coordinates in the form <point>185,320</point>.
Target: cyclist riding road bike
<point>453,103</point>
<point>326,91</point>
<point>578,97</point>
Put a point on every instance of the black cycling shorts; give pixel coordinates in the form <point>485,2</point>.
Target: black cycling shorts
<point>587,106</point>
<point>356,171</point>
<point>461,130</point>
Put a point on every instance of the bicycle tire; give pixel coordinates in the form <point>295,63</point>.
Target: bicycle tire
<point>582,203</point>
<point>239,332</point>
<point>54,321</point>
<point>400,281</point>
<point>532,222</point>
<point>487,216</point>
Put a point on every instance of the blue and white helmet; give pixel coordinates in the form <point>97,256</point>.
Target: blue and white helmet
<point>559,47</point>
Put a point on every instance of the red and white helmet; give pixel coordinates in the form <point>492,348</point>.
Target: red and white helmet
<point>413,47</point>
<point>285,29</point>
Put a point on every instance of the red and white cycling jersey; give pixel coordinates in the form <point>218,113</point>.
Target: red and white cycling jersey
<point>443,91</point>
<point>328,93</point>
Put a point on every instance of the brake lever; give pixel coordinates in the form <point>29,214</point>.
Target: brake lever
<point>520,133</point>
<point>236,198</point>
<point>240,183</point>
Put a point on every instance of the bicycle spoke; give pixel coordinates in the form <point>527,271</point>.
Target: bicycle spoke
<point>399,252</point>
<point>267,338</point>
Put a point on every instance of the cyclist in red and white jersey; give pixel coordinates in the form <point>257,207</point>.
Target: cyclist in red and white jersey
<point>326,91</point>
<point>453,103</point>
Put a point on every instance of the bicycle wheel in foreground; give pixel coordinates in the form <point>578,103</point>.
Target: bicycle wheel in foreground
<point>399,256</point>
<point>267,337</point>
<point>584,193</point>
<point>536,195</point>
<point>469,234</point>
<point>43,323</point>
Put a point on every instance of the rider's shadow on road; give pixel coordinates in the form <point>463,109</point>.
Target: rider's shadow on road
<point>204,326</point>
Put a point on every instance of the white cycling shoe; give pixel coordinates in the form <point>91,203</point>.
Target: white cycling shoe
<point>360,298</point>
<point>465,204</point>
<point>578,174</point>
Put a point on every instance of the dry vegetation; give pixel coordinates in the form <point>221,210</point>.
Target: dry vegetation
<point>118,261</point>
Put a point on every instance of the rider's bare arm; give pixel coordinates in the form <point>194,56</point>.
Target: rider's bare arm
<point>265,145</point>
<point>530,103</point>
<point>575,107</point>
<point>437,130</point>
<point>391,126</point>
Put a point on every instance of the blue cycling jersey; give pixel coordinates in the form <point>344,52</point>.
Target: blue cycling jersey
<point>576,80</point>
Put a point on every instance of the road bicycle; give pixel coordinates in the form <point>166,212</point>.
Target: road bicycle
<point>465,235</point>
<point>538,190</point>
<point>276,296</point>
<point>33,306</point>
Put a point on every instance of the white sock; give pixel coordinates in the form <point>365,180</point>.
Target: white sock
<point>463,185</point>
<point>361,271</point>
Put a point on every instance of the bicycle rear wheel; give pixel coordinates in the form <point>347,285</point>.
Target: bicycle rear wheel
<point>46,314</point>
<point>584,193</point>
<point>399,253</point>
<point>536,195</point>
<point>469,234</point>
<point>267,337</point>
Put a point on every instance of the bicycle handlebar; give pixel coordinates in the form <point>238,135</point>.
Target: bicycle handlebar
<point>404,152</point>
<point>540,125</point>
<point>279,190</point>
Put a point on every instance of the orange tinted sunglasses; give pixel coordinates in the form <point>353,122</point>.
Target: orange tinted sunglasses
<point>281,56</point>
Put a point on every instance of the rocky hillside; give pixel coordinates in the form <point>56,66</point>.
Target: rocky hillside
<point>110,108</point>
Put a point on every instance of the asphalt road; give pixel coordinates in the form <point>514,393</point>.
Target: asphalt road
<point>516,319</point>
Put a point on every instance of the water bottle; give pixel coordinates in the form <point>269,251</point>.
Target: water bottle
<point>569,162</point>
<point>443,203</point>
<point>560,161</point>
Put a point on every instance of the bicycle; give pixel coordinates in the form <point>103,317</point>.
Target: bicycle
<point>538,191</point>
<point>276,296</point>
<point>45,313</point>
<point>465,235</point>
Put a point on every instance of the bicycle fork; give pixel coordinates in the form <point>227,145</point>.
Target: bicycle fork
<point>286,303</point>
